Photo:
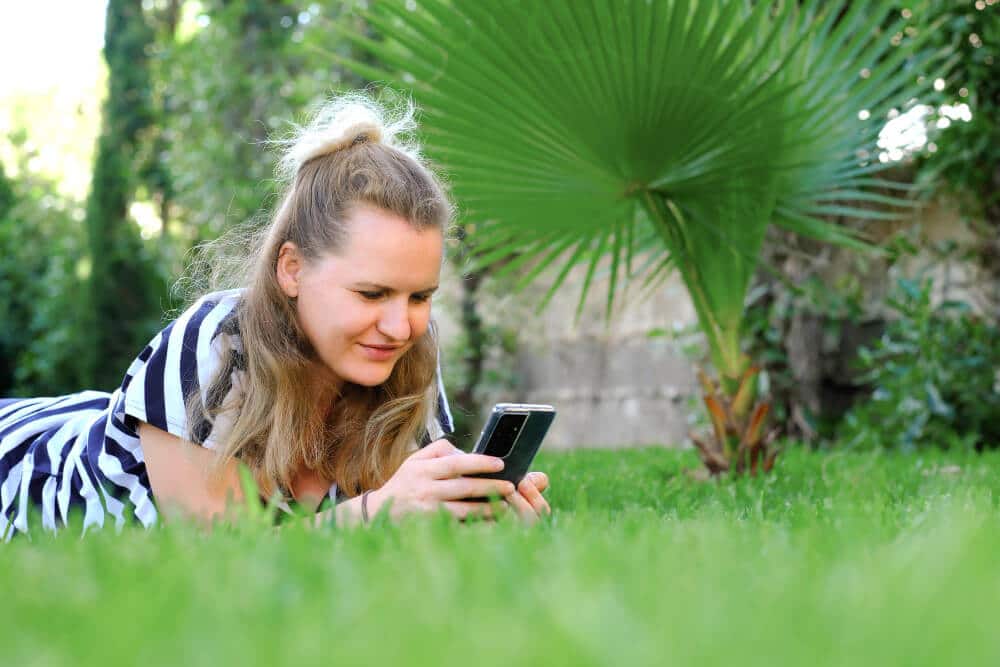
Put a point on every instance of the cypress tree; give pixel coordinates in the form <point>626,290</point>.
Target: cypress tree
<point>123,288</point>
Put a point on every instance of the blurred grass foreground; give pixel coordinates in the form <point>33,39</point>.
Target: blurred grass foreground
<point>835,559</point>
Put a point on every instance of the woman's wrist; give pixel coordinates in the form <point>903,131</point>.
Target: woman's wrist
<point>349,512</point>
<point>365,517</point>
<point>373,502</point>
<point>345,512</point>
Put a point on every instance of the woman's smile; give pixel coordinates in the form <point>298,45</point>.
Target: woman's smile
<point>380,352</point>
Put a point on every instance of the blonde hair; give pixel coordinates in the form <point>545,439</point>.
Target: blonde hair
<point>352,152</point>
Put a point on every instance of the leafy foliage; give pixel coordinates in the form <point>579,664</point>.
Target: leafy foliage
<point>935,377</point>
<point>236,78</point>
<point>40,342</point>
<point>220,116</point>
<point>803,335</point>
<point>966,161</point>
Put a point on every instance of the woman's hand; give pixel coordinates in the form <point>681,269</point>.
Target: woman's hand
<point>433,477</point>
<point>527,500</point>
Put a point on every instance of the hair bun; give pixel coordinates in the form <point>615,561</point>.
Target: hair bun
<point>341,123</point>
<point>362,134</point>
<point>359,133</point>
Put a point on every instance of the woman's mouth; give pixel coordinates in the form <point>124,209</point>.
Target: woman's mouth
<point>379,352</point>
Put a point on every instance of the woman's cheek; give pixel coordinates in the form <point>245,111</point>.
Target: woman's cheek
<point>419,324</point>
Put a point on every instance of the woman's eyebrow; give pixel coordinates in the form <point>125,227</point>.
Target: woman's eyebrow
<point>377,287</point>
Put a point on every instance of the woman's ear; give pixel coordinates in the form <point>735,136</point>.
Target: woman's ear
<point>289,268</point>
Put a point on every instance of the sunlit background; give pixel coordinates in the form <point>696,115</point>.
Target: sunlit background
<point>52,85</point>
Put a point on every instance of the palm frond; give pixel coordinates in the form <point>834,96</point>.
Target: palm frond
<point>586,134</point>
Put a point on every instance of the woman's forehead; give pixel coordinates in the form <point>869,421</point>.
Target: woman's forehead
<point>385,248</point>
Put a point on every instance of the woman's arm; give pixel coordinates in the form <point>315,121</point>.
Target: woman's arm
<point>179,477</point>
<point>178,474</point>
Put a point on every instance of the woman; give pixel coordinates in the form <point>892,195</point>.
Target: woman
<point>319,373</point>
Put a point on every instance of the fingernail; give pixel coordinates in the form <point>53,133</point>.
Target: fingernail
<point>498,464</point>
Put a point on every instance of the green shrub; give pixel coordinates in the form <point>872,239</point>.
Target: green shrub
<point>934,375</point>
<point>41,332</point>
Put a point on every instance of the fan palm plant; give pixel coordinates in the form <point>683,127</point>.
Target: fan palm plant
<point>647,136</point>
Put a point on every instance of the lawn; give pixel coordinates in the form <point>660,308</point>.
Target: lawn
<point>836,559</point>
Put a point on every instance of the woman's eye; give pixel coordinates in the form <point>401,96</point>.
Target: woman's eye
<point>371,296</point>
<point>421,298</point>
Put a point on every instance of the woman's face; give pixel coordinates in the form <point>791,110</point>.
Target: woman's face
<point>365,305</point>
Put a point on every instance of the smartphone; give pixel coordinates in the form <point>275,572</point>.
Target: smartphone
<point>513,432</point>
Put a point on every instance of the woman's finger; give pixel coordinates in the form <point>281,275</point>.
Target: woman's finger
<point>531,493</point>
<point>447,467</point>
<point>540,480</point>
<point>464,509</point>
<point>471,487</point>
<point>436,449</point>
<point>523,508</point>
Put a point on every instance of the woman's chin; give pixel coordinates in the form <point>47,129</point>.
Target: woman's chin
<point>371,375</point>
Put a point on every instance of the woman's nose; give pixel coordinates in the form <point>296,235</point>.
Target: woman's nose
<point>394,321</point>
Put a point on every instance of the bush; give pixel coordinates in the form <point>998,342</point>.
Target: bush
<point>41,337</point>
<point>935,375</point>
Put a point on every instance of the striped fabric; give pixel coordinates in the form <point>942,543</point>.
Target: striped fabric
<point>80,453</point>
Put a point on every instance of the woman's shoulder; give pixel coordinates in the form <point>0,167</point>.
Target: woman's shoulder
<point>220,303</point>
<point>208,317</point>
<point>182,359</point>
<point>225,296</point>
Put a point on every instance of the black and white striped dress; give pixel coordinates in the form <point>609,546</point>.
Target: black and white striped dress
<point>80,453</point>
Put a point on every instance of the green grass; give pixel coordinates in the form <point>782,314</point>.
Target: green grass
<point>836,559</point>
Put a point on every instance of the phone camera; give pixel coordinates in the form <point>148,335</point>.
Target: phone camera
<point>506,433</point>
